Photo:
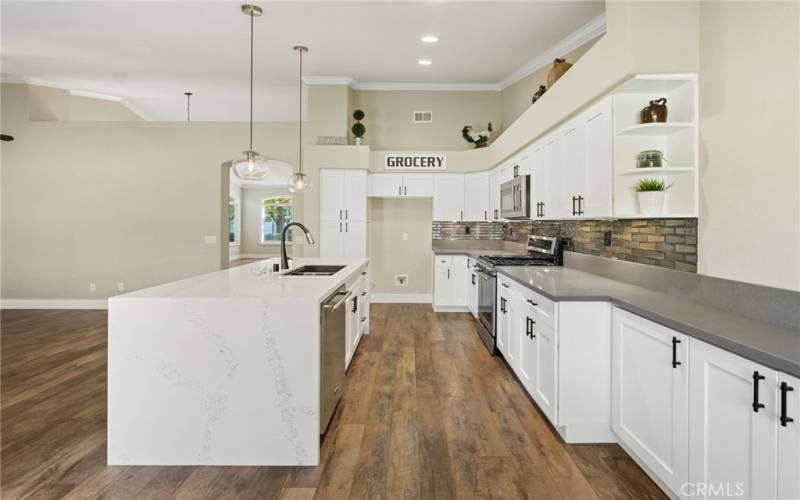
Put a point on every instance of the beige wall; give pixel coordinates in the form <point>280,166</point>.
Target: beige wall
<point>389,118</point>
<point>251,221</point>
<point>516,98</point>
<point>235,192</point>
<point>391,255</point>
<point>750,142</point>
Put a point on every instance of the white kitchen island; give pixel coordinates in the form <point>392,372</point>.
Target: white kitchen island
<point>220,369</point>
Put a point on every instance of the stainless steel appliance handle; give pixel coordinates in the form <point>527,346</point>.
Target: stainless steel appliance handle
<point>333,307</point>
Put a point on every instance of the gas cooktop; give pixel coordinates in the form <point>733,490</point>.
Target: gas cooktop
<point>513,260</point>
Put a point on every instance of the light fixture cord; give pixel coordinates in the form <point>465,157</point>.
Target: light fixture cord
<point>300,117</point>
<point>251,79</point>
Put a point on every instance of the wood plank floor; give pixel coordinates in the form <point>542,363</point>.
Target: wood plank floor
<point>427,413</point>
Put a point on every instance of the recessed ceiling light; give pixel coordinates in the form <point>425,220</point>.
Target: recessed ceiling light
<point>430,38</point>
<point>425,62</point>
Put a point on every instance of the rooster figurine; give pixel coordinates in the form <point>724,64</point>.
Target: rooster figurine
<point>478,138</point>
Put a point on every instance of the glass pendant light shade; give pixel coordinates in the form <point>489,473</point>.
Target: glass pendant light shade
<point>252,167</point>
<point>299,183</point>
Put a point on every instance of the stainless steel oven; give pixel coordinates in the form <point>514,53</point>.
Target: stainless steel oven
<point>515,198</point>
<point>487,288</point>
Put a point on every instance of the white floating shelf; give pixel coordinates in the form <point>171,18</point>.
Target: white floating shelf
<point>656,128</point>
<point>655,170</point>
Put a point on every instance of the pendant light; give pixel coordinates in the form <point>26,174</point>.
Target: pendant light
<point>299,182</point>
<point>253,166</point>
<point>188,106</point>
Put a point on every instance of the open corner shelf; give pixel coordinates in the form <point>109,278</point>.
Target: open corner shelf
<point>656,128</point>
<point>655,170</point>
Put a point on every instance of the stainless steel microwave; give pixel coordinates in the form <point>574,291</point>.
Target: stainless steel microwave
<point>515,198</point>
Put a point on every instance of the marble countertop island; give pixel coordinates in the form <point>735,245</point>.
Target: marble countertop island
<point>220,369</point>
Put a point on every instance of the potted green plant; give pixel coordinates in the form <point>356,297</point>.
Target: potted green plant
<point>651,193</point>
<point>358,128</point>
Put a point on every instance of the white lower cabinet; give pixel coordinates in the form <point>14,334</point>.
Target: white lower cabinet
<point>788,437</point>
<point>650,396</point>
<point>538,353</point>
<point>345,238</point>
<point>733,440</point>
<point>507,329</point>
<point>450,283</point>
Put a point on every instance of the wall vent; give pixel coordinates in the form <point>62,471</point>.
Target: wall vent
<point>423,117</point>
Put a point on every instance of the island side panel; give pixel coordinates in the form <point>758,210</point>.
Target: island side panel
<point>208,381</point>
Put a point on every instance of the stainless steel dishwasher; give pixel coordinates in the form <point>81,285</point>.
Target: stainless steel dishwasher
<point>332,354</point>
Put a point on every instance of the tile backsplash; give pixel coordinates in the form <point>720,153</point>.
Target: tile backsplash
<point>667,243</point>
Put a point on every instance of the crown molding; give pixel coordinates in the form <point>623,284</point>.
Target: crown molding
<point>591,30</point>
<point>455,87</point>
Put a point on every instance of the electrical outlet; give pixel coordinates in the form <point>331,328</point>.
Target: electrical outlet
<point>400,279</point>
<point>121,286</point>
<point>92,287</point>
<point>404,236</point>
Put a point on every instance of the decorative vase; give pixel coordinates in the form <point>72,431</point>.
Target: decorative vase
<point>560,66</point>
<point>656,112</point>
<point>651,202</point>
<point>539,93</point>
<point>358,141</point>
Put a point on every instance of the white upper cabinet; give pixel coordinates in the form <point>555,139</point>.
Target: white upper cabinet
<point>650,395</point>
<point>597,172</point>
<point>401,185</point>
<point>355,191</point>
<point>448,197</point>
<point>476,196</point>
<point>573,166</point>
<point>417,185</point>
<point>733,423</point>
<point>386,185</point>
<point>539,191</point>
<point>555,207</point>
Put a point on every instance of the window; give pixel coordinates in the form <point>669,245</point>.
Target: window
<point>276,214</point>
<point>234,214</point>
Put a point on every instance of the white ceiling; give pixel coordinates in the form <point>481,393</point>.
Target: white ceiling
<point>149,53</point>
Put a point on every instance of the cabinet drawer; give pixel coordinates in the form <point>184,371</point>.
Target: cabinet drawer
<point>545,308</point>
<point>444,260</point>
<point>505,284</point>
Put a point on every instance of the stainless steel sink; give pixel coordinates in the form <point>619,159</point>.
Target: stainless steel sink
<point>315,271</point>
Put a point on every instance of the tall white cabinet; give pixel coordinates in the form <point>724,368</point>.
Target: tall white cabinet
<point>448,197</point>
<point>343,213</point>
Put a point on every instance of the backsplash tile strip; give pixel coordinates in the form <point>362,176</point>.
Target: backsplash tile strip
<point>667,243</point>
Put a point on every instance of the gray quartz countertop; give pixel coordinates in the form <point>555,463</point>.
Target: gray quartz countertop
<point>770,345</point>
<point>476,248</point>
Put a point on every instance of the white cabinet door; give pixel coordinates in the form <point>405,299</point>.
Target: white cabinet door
<point>355,195</point>
<point>332,194</point>
<point>596,194</point>
<point>502,321</point>
<point>527,345</point>
<point>731,442</point>
<point>507,331</point>
<point>507,171</point>
<point>386,185</point>
<point>351,330</point>
<point>476,196</point>
<point>555,207</point>
<point>331,238</point>
<point>789,438</point>
<point>355,239</point>
<point>448,197</point>
<point>458,277</point>
<point>573,167</point>
<point>546,368</point>
<point>443,291</point>
<point>539,184</point>
<point>494,194</point>
<point>417,185</point>
<point>650,395</point>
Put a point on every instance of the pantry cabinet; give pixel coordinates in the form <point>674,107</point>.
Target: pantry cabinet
<point>450,283</point>
<point>733,423</point>
<point>476,196</point>
<point>650,395</point>
<point>343,213</point>
<point>448,197</point>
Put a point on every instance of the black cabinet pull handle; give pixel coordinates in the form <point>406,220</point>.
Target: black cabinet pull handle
<point>340,227</point>
<point>448,274</point>
<point>574,199</point>
<point>355,303</point>
<point>502,305</point>
<point>405,190</point>
<point>503,285</point>
<point>529,301</point>
<point>785,388</point>
<point>485,215</point>
<point>399,190</point>
<point>542,209</point>
<point>346,214</point>
<point>473,279</point>
<point>756,377</point>
<point>363,293</point>
<point>675,343</point>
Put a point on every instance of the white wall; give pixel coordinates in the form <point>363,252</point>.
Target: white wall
<point>750,142</point>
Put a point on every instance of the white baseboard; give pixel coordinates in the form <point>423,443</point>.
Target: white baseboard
<point>400,298</point>
<point>451,309</point>
<point>54,304</point>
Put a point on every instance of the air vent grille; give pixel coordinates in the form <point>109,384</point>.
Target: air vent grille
<point>423,116</point>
